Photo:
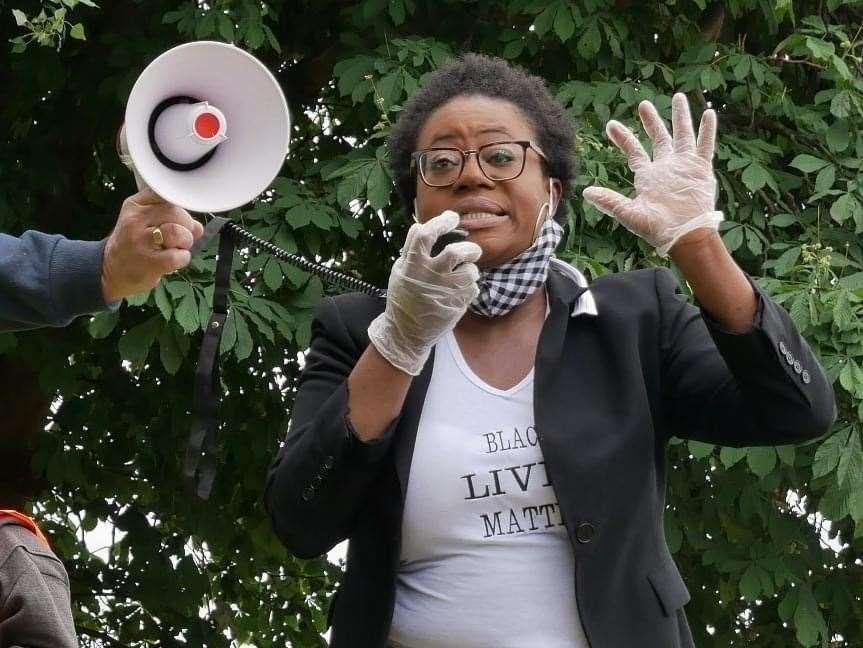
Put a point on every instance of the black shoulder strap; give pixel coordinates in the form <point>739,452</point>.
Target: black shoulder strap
<point>199,468</point>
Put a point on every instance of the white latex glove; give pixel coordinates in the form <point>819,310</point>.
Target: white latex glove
<point>426,296</point>
<point>675,193</point>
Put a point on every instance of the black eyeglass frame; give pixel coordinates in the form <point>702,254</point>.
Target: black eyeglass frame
<point>525,144</point>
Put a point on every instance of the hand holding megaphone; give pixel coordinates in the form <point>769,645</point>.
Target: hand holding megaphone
<point>151,238</point>
<point>206,129</point>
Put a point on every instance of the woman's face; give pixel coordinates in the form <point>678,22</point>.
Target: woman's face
<point>499,216</point>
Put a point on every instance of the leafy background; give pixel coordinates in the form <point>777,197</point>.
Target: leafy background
<point>769,540</point>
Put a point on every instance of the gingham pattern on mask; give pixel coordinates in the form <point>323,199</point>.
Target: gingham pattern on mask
<point>502,289</point>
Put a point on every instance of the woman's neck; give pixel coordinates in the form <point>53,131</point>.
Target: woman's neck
<point>530,311</point>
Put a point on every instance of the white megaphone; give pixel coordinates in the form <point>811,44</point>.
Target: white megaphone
<point>207,127</point>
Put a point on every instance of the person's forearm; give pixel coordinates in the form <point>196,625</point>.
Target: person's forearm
<point>376,394</point>
<point>717,281</point>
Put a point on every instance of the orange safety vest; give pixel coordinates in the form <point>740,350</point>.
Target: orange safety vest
<point>26,522</point>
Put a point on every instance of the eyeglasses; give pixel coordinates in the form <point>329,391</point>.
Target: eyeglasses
<point>498,161</point>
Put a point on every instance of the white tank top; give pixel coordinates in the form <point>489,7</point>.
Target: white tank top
<point>485,558</point>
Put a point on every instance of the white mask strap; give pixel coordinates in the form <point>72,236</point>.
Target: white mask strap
<point>546,210</point>
<point>552,207</point>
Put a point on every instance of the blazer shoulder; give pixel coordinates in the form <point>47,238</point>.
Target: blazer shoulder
<point>634,289</point>
<point>353,311</point>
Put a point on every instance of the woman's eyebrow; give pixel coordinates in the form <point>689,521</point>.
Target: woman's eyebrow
<point>447,135</point>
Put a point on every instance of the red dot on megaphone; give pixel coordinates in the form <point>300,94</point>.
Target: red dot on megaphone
<point>207,125</point>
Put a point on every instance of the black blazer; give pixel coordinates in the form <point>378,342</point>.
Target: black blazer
<point>608,393</point>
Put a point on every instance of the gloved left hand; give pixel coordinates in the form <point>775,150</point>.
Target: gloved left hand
<point>675,192</point>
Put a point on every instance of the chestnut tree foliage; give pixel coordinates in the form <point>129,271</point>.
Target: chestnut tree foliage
<point>769,540</point>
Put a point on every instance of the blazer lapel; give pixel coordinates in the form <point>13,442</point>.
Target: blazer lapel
<point>406,434</point>
<point>563,293</point>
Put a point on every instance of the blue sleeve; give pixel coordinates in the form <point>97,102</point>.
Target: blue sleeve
<point>48,280</point>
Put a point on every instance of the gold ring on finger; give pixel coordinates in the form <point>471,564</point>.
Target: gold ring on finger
<point>158,238</point>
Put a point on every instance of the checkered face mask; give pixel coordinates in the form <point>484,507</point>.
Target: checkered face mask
<point>503,288</point>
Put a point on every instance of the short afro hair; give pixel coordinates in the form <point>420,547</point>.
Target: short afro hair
<point>487,76</point>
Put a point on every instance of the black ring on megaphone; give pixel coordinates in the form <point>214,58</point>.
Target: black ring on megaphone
<point>151,132</point>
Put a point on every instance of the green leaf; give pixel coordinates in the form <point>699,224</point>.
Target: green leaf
<point>820,49</point>
<point>700,450</point>
<point>788,605</point>
<point>733,238</point>
<point>103,324</point>
<point>808,163</point>
<point>845,207</point>
<point>397,11</point>
<point>138,300</point>
<point>298,216</point>
<point>755,176</point>
<point>273,275</point>
<point>761,460</point>
<point>786,454</point>
<point>840,106</point>
<point>226,27</point>
<point>77,32</point>
<point>851,462</point>
<point>838,136</point>
<point>799,311</point>
<point>255,36</point>
<point>828,453</point>
<point>843,313</point>
<point>852,281</point>
<point>564,26</point>
<point>544,21</point>
<point>244,346</point>
<point>750,582</point>
<point>730,456</point>
<point>163,301</point>
<point>378,187</point>
<point>590,41</point>
<point>135,344</point>
<point>513,49</point>
<point>673,532</point>
<point>783,220</point>
<point>742,67</point>
<point>808,620</point>
<point>229,334</point>
<point>186,312</point>
<point>825,179</point>
<point>173,346</point>
<point>321,219</point>
<point>786,261</point>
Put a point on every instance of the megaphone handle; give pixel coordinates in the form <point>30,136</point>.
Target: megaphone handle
<point>126,159</point>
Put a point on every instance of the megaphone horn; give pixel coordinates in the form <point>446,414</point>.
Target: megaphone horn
<point>207,127</point>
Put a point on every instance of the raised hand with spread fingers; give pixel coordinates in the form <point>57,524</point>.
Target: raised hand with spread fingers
<point>675,191</point>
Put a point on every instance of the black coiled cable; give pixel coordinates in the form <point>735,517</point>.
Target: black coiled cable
<point>328,274</point>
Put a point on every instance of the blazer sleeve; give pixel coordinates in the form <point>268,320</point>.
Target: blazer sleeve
<point>323,474</point>
<point>763,387</point>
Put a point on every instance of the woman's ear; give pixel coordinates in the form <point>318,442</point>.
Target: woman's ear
<point>555,191</point>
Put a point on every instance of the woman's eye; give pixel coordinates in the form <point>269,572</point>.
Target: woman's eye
<point>500,157</point>
<point>442,163</point>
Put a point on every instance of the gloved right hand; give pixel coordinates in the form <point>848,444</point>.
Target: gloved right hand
<point>426,296</point>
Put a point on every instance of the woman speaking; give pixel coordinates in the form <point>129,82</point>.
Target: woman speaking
<point>491,436</point>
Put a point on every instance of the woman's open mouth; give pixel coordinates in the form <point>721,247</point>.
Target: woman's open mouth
<point>480,220</point>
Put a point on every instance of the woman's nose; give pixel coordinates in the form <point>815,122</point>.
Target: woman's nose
<point>471,174</point>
